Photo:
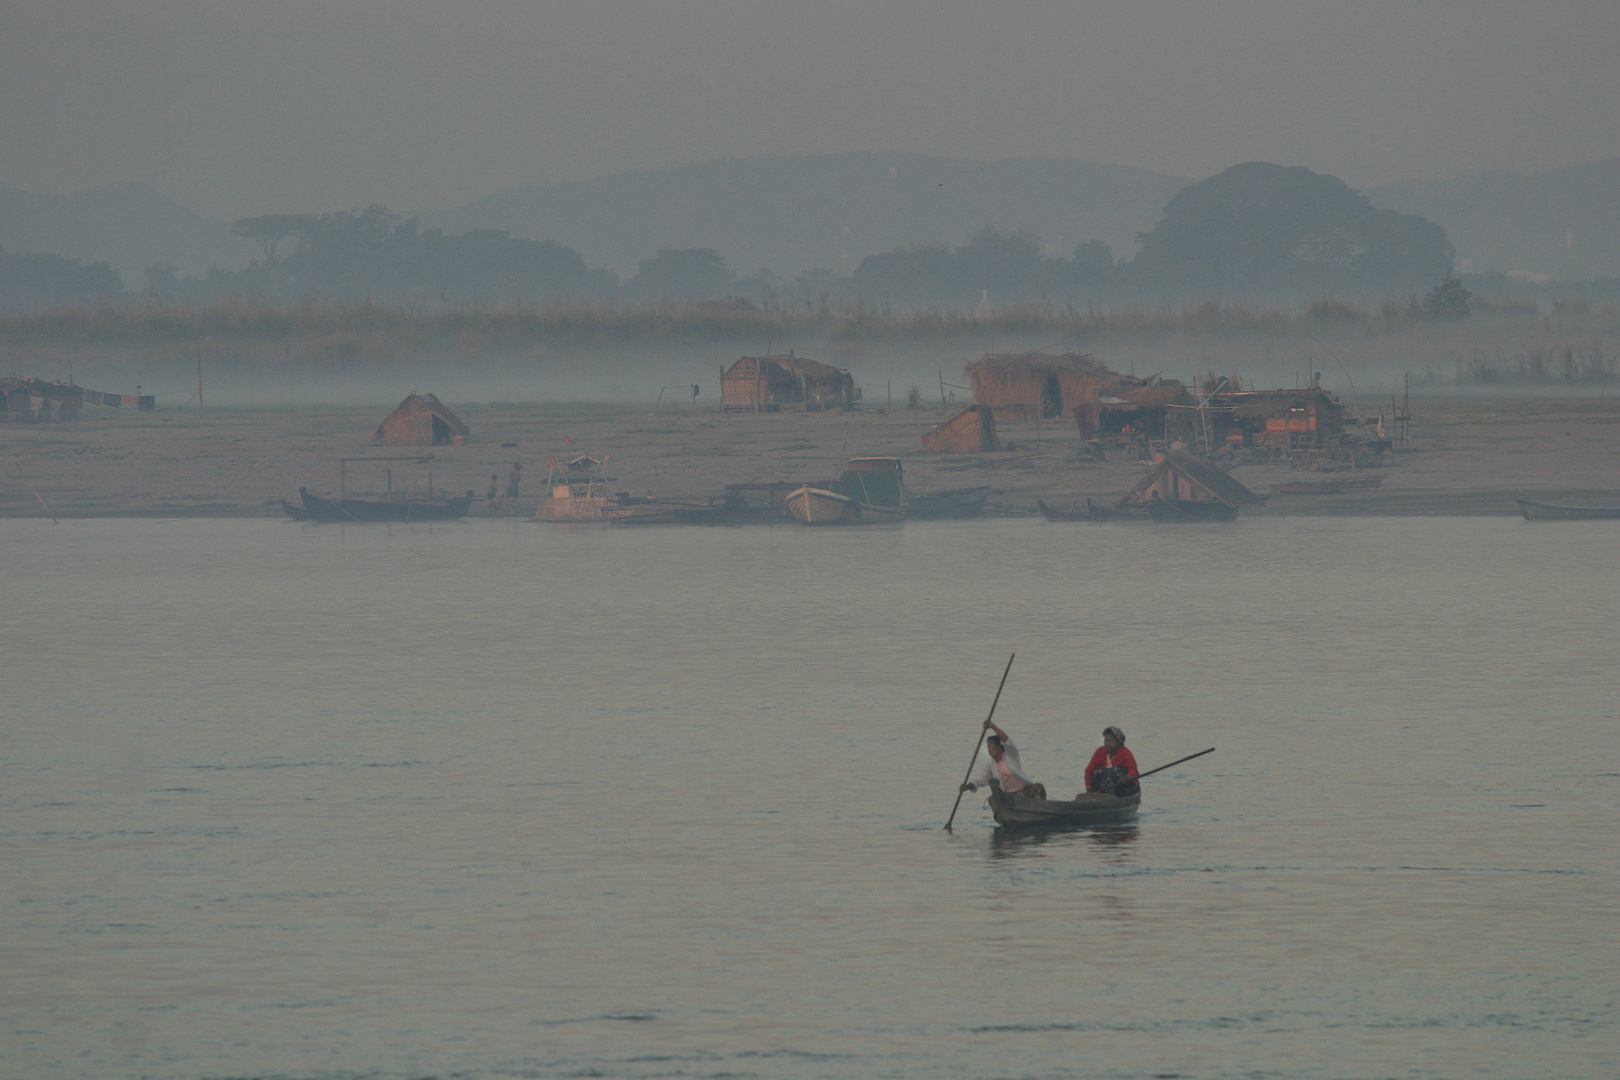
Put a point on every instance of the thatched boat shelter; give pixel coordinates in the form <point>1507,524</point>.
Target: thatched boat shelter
<point>1022,384</point>
<point>1188,478</point>
<point>774,383</point>
<point>971,431</point>
<point>421,420</point>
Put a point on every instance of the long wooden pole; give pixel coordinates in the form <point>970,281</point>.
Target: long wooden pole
<point>1178,761</point>
<point>977,743</point>
<point>52,513</point>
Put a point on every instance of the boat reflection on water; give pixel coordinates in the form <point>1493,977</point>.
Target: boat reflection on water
<point>1019,843</point>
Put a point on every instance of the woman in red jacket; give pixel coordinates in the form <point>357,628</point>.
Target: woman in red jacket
<point>1112,766</point>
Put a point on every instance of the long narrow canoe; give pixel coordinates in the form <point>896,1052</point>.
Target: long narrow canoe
<point>1187,510</point>
<point>957,503</point>
<point>1540,511</point>
<point>356,511</point>
<point>1092,808</point>
<point>1091,512</point>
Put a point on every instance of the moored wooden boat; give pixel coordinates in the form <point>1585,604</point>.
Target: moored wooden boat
<point>957,503</point>
<point>1540,511</point>
<point>818,506</point>
<point>359,511</point>
<point>1090,512</point>
<point>1092,808</point>
<point>1183,510</point>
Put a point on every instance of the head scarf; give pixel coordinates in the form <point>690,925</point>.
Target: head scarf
<point>1119,736</point>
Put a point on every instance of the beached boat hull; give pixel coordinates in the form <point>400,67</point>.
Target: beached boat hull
<point>1326,487</point>
<point>818,506</point>
<point>362,511</point>
<point>1093,808</point>
<point>959,503</point>
<point>1540,511</point>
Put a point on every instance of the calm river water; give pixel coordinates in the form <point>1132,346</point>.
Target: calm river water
<point>496,799</point>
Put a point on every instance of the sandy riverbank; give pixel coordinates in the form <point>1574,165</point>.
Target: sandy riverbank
<point>1466,457</point>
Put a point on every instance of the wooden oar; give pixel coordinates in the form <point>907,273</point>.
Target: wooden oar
<point>1133,779</point>
<point>979,742</point>
<point>1178,761</point>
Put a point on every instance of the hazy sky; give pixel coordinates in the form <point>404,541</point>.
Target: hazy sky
<point>236,108</point>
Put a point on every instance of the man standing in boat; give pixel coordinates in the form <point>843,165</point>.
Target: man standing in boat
<point>1004,767</point>
<point>1112,766</point>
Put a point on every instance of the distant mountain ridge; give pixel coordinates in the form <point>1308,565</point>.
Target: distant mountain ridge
<point>791,214</point>
<point>128,225</point>
<point>1564,222</point>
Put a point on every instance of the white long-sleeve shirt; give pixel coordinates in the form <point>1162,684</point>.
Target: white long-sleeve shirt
<point>1008,772</point>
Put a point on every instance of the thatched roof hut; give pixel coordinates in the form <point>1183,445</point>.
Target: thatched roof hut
<point>421,420</point>
<point>1187,478</point>
<point>774,383</point>
<point>1017,384</point>
<point>1111,405</point>
<point>971,431</point>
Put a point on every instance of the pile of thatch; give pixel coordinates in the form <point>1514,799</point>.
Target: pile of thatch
<point>971,431</point>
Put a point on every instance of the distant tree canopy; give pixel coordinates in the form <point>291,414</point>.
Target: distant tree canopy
<point>1448,300</point>
<point>374,252</point>
<point>681,273</point>
<point>1005,264</point>
<point>38,278</point>
<point>269,230</point>
<point>1267,227</point>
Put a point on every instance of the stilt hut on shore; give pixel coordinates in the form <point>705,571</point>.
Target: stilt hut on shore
<point>1020,384</point>
<point>774,383</point>
<point>1286,418</point>
<point>1188,478</point>
<point>971,431</point>
<point>421,420</point>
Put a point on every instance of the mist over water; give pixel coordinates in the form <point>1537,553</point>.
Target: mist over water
<point>501,799</point>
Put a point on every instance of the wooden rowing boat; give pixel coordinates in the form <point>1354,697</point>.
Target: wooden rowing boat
<point>1092,808</point>
<point>818,506</point>
<point>1540,511</point>
<point>361,511</point>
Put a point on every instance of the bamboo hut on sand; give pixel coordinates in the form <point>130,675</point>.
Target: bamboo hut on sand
<point>1153,406</point>
<point>774,383</point>
<point>421,420</point>
<point>1017,384</point>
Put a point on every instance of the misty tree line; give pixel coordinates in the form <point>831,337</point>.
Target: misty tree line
<point>1253,230</point>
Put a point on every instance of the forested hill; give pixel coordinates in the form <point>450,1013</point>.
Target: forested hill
<point>1563,222</point>
<point>129,226</point>
<point>790,214</point>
